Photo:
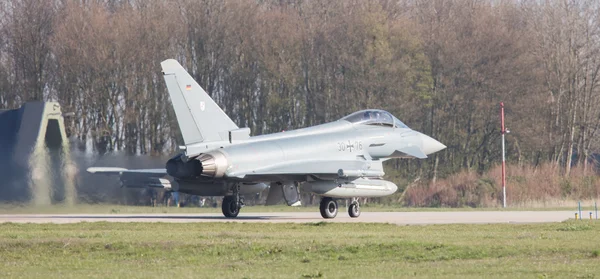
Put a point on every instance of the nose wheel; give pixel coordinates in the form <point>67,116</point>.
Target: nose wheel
<point>354,209</point>
<point>328,208</point>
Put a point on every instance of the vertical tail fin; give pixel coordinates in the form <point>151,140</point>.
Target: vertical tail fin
<point>200,118</point>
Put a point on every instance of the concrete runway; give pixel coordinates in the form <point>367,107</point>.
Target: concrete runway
<point>399,218</point>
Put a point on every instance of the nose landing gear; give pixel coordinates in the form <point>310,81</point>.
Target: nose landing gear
<point>329,208</point>
<point>354,208</point>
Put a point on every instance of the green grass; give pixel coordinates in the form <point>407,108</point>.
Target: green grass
<point>328,250</point>
<point>126,209</point>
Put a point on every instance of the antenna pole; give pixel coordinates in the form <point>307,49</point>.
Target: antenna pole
<point>503,132</point>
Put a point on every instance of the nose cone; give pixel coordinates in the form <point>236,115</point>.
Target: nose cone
<point>430,145</point>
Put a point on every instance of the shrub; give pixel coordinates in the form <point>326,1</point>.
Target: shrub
<point>526,186</point>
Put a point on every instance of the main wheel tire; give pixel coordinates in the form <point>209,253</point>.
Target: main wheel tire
<point>229,207</point>
<point>354,210</point>
<point>328,208</point>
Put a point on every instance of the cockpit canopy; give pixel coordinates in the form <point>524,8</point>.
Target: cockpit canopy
<point>374,117</point>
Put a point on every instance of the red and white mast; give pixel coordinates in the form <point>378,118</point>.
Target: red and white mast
<point>503,131</point>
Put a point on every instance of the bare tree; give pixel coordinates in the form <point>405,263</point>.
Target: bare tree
<point>27,27</point>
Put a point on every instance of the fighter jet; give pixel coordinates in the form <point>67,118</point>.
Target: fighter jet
<point>337,160</point>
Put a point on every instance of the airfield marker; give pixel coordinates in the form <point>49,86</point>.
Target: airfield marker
<point>503,131</point>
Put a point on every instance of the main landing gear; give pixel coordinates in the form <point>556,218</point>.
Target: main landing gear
<point>232,204</point>
<point>329,208</point>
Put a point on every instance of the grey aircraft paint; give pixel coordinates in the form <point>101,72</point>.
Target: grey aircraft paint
<point>340,159</point>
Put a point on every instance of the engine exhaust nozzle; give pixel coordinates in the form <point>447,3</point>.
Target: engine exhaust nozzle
<point>214,164</point>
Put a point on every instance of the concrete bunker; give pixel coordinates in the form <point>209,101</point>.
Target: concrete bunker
<point>35,162</point>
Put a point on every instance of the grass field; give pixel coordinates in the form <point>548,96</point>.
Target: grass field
<point>327,250</point>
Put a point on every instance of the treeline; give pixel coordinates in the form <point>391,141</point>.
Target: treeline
<point>440,66</point>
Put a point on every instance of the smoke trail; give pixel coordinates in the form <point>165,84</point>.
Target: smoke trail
<point>39,176</point>
<point>68,172</point>
<point>40,167</point>
<point>95,188</point>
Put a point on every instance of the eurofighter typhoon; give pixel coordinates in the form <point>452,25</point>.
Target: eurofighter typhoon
<point>337,160</point>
